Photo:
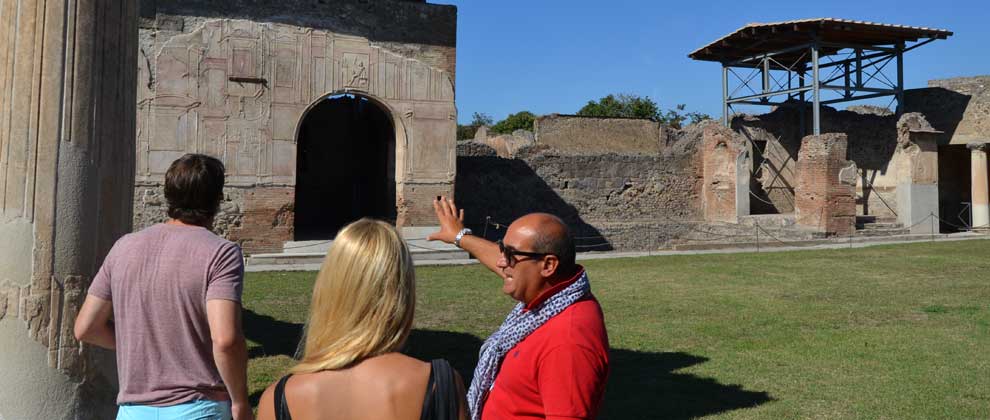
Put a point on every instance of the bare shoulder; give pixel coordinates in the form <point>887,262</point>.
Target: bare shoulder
<point>266,406</point>
<point>397,368</point>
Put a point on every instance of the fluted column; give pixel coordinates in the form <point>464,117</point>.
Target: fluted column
<point>67,98</point>
<point>981,206</point>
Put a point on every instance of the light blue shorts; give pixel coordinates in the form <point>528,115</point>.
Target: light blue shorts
<point>193,410</point>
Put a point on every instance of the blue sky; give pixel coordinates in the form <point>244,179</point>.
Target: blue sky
<point>550,56</point>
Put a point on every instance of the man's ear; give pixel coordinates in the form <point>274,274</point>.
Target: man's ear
<point>550,265</point>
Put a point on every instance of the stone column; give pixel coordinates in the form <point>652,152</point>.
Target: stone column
<point>981,207</point>
<point>67,95</point>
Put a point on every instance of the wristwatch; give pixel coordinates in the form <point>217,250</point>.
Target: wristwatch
<point>457,239</point>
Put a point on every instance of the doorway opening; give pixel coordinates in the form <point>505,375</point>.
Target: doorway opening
<point>345,166</point>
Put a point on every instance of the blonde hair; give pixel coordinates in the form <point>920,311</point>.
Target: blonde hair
<point>363,299</point>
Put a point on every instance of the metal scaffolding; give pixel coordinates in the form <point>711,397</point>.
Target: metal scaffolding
<point>832,60</point>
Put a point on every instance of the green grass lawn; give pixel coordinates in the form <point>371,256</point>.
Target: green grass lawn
<point>884,332</point>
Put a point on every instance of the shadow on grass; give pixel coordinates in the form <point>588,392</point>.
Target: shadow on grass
<point>641,384</point>
<point>274,337</point>
<point>644,385</point>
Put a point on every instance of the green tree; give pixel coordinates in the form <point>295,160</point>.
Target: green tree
<point>522,120</point>
<point>622,106</point>
<point>675,117</point>
<point>478,119</point>
<point>634,106</point>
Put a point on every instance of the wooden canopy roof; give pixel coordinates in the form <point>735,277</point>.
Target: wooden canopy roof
<point>757,39</point>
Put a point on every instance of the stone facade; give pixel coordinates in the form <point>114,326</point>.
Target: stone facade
<point>589,135</point>
<point>611,200</point>
<point>67,124</point>
<point>234,79</point>
<point>825,196</point>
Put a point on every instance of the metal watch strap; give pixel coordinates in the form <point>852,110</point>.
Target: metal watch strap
<point>457,239</point>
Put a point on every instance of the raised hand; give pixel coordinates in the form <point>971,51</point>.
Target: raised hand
<point>450,218</point>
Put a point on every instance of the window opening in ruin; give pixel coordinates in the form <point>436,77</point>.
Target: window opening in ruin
<point>345,166</point>
<point>760,202</point>
<point>954,187</point>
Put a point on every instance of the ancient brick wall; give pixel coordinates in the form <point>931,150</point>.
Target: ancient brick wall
<point>825,195</point>
<point>587,135</point>
<point>233,79</point>
<point>872,141</point>
<point>612,201</point>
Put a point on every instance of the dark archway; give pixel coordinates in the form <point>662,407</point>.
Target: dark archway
<point>954,187</point>
<point>345,166</point>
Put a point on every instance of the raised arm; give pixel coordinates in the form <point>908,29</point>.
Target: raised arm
<point>451,223</point>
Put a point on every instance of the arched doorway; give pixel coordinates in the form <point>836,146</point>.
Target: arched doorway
<point>345,166</point>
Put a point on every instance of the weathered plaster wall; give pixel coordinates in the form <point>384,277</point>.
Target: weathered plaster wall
<point>611,200</point>
<point>233,80</point>
<point>726,163</point>
<point>960,107</point>
<point>588,135</point>
<point>67,124</point>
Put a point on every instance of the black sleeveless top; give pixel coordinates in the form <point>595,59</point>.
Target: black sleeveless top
<point>441,402</point>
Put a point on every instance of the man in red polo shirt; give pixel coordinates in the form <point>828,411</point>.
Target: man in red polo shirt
<point>549,359</point>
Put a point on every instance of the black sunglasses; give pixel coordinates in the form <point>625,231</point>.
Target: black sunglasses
<point>510,253</point>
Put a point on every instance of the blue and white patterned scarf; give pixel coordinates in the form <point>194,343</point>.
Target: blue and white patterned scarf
<point>516,327</point>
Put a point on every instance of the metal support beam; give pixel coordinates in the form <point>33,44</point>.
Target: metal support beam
<point>900,78</point>
<point>767,95</point>
<point>725,95</point>
<point>816,126</point>
<point>766,75</point>
<point>859,68</point>
<point>864,89</point>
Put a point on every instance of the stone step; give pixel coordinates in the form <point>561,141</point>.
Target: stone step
<point>878,225</point>
<point>833,241</point>
<point>883,232</point>
<point>865,219</point>
<point>768,220</point>
<point>303,258</point>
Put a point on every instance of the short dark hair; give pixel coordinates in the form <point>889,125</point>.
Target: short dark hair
<point>194,188</point>
<point>559,242</point>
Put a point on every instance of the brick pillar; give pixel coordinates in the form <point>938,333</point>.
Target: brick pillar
<point>825,195</point>
<point>981,197</point>
<point>726,172</point>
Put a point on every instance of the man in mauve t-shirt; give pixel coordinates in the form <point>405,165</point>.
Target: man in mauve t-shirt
<point>167,299</point>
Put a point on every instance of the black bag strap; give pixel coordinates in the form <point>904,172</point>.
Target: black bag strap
<point>442,402</point>
<point>281,406</point>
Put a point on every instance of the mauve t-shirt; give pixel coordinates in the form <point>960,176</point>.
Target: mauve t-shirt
<point>159,280</point>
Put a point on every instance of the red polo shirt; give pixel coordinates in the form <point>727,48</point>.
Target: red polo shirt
<point>557,372</point>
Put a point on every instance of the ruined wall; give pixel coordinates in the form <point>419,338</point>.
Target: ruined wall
<point>611,200</point>
<point>960,107</point>
<point>825,192</point>
<point>233,80</point>
<point>872,141</point>
<point>726,163</point>
<point>588,135</point>
<point>67,124</point>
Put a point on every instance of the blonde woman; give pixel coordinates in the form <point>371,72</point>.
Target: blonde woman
<point>360,316</point>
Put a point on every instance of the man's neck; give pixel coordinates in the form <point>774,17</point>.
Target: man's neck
<point>177,222</point>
